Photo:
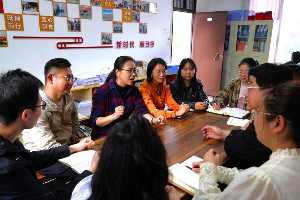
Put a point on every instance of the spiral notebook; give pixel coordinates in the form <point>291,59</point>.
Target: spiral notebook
<point>232,112</point>
<point>183,177</point>
<point>79,161</point>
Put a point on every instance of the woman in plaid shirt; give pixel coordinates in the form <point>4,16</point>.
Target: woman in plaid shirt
<point>117,99</point>
<point>233,93</point>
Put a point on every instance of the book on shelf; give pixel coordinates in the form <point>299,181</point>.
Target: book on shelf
<point>232,112</point>
<point>182,176</point>
<point>79,161</point>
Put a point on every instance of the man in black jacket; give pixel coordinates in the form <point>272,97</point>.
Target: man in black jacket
<point>20,108</point>
<point>242,146</point>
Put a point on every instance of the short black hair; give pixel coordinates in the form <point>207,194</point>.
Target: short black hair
<point>269,75</point>
<point>251,62</point>
<point>151,66</point>
<point>18,91</point>
<point>296,71</point>
<point>58,63</point>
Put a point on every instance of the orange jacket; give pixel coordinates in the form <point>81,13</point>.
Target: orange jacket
<point>156,102</point>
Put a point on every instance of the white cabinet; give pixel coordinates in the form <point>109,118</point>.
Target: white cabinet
<point>255,39</point>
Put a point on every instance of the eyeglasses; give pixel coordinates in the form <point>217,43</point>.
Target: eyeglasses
<point>161,72</point>
<point>250,88</point>
<point>132,71</point>
<point>43,105</point>
<point>256,113</point>
<point>241,73</point>
<point>69,78</point>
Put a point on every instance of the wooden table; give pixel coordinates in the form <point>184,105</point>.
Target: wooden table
<point>183,137</point>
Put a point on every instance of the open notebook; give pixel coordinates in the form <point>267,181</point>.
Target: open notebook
<point>79,161</point>
<point>183,177</point>
<point>233,112</point>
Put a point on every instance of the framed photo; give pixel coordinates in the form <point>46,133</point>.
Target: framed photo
<point>128,4</point>
<point>85,12</point>
<point>96,3</point>
<point>73,1</point>
<point>145,6</point>
<point>143,28</point>
<point>106,38</point>
<point>3,39</point>
<point>118,4</point>
<point>136,5</point>
<point>107,14</point>
<point>135,16</point>
<point>153,8</point>
<point>59,9</point>
<point>74,24</point>
<point>117,27</point>
<point>30,7</point>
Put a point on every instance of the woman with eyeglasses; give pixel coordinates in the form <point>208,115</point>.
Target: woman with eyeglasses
<point>233,93</point>
<point>186,88</point>
<point>156,93</point>
<point>277,127</point>
<point>117,99</point>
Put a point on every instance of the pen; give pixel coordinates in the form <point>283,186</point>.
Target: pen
<point>189,167</point>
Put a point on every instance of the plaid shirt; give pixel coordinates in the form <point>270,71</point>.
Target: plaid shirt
<point>106,99</point>
<point>230,94</point>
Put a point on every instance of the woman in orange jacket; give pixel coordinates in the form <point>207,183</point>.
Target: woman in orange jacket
<point>156,93</point>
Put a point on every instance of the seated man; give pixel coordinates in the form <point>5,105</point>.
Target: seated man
<point>20,108</point>
<point>58,124</point>
<point>241,146</point>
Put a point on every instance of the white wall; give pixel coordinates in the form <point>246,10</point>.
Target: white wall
<point>218,5</point>
<point>31,55</point>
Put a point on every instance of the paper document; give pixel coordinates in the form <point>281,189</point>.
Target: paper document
<point>237,122</point>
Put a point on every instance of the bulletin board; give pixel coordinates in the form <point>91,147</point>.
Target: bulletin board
<point>145,33</point>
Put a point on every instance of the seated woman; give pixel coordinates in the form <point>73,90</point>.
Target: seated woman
<point>132,166</point>
<point>186,88</point>
<point>156,93</point>
<point>277,127</point>
<point>117,99</point>
<point>233,93</point>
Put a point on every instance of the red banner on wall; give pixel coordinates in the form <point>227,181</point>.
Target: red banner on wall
<point>1,6</point>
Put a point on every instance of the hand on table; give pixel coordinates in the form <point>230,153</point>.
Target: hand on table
<point>95,162</point>
<point>200,106</point>
<point>83,145</point>
<point>212,132</point>
<point>159,120</point>
<point>216,106</point>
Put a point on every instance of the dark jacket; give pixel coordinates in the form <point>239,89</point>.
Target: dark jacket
<point>18,168</point>
<point>244,150</point>
<point>181,93</point>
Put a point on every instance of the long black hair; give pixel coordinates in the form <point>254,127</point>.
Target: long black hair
<point>119,63</point>
<point>193,80</point>
<point>132,164</point>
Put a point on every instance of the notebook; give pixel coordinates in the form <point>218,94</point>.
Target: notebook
<point>233,112</point>
<point>183,177</point>
<point>79,161</point>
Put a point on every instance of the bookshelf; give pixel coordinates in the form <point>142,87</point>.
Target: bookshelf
<point>255,39</point>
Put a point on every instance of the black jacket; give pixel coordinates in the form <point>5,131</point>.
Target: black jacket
<point>18,168</point>
<point>244,150</point>
<point>181,93</point>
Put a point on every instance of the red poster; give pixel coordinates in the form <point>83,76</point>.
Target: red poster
<point>1,6</point>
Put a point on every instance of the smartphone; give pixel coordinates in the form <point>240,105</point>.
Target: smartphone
<point>179,117</point>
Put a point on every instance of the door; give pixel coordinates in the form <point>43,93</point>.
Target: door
<point>208,47</point>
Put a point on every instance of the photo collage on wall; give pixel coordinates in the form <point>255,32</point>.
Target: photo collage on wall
<point>131,10</point>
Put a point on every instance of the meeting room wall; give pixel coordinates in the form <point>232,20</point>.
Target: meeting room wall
<point>32,54</point>
<point>219,5</point>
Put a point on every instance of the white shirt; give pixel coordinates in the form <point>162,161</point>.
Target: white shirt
<point>83,189</point>
<point>278,178</point>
